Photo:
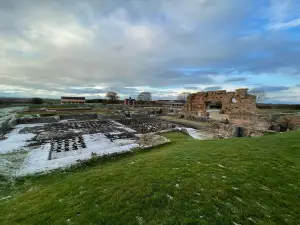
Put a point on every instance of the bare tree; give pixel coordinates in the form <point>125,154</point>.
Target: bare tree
<point>112,96</point>
<point>183,96</point>
<point>261,95</point>
<point>144,97</point>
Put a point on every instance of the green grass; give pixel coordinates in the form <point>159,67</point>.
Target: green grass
<point>234,181</point>
<point>276,111</point>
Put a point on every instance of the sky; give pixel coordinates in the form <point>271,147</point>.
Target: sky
<point>54,48</point>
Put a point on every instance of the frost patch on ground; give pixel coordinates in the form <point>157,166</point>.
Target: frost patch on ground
<point>11,162</point>
<point>37,160</point>
<point>170,197</point>
<point>140,220</point>
<point>119,125</point>
<point>27,153</point>
<point>196,134</point>
<point>4,198</point>
<point>15,141</point>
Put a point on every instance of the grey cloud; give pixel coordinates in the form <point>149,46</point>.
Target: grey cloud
<point>84,91</point>
<point>212,88</point>
<point>191,88</point>
<point>270,88</point>
<point>132,64</point>
<point>237,79</point>
<point>116,44</point>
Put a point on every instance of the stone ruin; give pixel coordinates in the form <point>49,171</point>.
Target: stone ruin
<point>241,112</point>
<point>146,125</point>
<point>238,102</point>
<point>239,109</point>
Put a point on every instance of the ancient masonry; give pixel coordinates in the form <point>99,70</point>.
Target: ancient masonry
<point>238,102</point>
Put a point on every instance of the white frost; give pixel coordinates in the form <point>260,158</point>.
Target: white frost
<point>197,134</point>
<point>37,160</point>
<point>14,140</point>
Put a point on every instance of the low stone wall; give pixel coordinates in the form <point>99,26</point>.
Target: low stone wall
<point>50,119</point>
<point>110,117</point>
<point>286,122</point>
<point>152,140</point>
<point>139,116</point>
<point>189,116</point>
<point>222,130</point>
<point>79,116</point>
<point>261,122</point>
<point>145,125</point>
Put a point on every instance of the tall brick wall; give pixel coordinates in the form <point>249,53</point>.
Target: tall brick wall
<point>232,102</point>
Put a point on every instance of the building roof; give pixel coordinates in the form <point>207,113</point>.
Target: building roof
<point>175,101</point>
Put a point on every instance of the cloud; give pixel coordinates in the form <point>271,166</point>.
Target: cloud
<point>52,48</point>
<point>237,79</point>
<point>192,88</point>
<point>212,88</point>
<point>285,25</point>
<point>114,48</point>
<point>270,88</point>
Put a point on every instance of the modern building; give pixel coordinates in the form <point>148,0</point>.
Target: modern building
<point>161,102</point>
<point>72,100</point>
<point>174,103</point>
<point>129,101</point>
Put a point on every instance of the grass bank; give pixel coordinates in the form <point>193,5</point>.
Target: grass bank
<point>236,181</point>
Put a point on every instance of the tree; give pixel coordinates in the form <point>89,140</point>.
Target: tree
<point>144,97</point>
<point>261,95</point>
<point>112,97</point>
<point>37,101</point>
<point>183,96</point>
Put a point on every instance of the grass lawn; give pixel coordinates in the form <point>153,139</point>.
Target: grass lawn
<point>276,111</point>
<point>234,181</point>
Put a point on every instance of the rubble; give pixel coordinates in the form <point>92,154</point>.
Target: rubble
<point>151,140</point>
<point>146,125</point>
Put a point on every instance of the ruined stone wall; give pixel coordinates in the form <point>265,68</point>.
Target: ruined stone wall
<point>232,102</point>
<point>50,119</point>
<point>78,116</point>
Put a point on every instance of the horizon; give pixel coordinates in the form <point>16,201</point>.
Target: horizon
<point>50,49</point>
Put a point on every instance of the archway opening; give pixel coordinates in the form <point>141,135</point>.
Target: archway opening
<point>213,105</point>
<point>214,108</point>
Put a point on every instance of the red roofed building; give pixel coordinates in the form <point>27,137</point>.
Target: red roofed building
<point>129,101</point>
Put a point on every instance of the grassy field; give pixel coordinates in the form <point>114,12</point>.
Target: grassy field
<point>276,111</point>
<point>234,181</point>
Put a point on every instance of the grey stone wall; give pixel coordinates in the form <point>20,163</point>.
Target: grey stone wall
<point>78,116</point>
<point>49,119</point>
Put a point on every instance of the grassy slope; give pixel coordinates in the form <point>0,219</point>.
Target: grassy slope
<point>243,181</point>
